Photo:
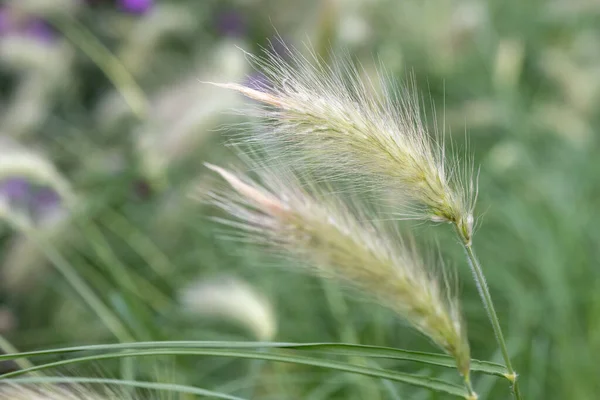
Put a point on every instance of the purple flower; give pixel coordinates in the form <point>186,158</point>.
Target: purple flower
<point>22,25</point>
<point>39,202</point>
<point>231,23</point>
<point>45,201</point>
<point>14,189</point>
<point>136,6</point>
<point>41,30</point>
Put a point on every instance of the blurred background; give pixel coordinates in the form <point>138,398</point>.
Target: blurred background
<point>104,127</point>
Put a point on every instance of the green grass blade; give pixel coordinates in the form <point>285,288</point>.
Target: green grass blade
<point>420,381</point>
<point>441,360</point>
<point>171,387</point>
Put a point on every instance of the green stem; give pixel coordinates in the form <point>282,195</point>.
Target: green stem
<point>488,304</point>
<point>471,392</point>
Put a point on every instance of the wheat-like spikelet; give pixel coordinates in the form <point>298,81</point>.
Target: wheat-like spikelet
<point>322,233</point>
<point>329,117</point>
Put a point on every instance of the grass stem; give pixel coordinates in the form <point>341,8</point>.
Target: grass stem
<point>488,304</point>
<point>469,386</point>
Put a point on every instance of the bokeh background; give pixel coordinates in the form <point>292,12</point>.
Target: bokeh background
<point>105,126</point>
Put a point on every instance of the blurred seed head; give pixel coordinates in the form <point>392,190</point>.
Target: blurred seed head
<point>43,8</point>
<point>32,191</point>
<point>142,41</point>
<point>67,391</point>
<point>308,227</point>
<point>328,118</point>
<point>30,52</point>
<point>27,41</point>
<point>46,392</point>
<point>33,195</point>
<point>185,115</point>
<point>182,119</point>
<point>232,299</point>
<point>42,62</point>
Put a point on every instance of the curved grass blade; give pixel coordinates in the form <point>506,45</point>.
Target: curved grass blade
<point>344,349</point>
<point>415,380</point>
<point>170,387</point>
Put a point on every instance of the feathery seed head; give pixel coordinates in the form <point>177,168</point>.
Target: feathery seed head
<point>329,117</point>
<point>304,225</point>
<point>235,300</point>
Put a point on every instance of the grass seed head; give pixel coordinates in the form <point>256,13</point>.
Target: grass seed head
<point>329,118</point>
<point>307,226</point>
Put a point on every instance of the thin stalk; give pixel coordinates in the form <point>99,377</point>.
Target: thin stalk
<point>469,387</point>
<point>488,304</point>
